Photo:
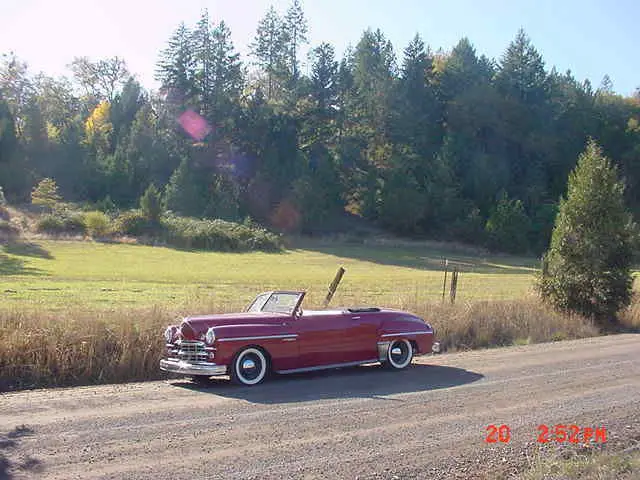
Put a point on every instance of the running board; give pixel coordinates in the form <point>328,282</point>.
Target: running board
<point>328,367</point>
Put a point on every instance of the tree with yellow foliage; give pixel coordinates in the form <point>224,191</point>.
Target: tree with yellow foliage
<point>98,127</point>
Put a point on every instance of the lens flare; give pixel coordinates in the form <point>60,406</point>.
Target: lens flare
<point>193,123</point>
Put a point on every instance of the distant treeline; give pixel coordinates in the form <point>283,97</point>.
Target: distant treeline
<point>444,144</point>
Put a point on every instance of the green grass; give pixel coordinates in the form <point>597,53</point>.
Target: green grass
<point>596,466</point>
<point>60,274</point>
<point>75,313</point>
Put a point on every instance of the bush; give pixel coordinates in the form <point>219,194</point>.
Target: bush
<point>57,223</point>
<point>97,224</point>
<point>151,204</point>
<point>106,205</point>
<point>134,223</point>
<point>218,235</point>
<point>587,268</point>
<point>46,194</point>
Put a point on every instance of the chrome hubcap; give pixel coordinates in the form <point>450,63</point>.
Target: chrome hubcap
<point>400,354</point>
<point>248,364</point>
<point>251,366</point>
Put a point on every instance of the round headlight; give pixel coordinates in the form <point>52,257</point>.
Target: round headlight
<point>210,337</point>
<point>168,334</point>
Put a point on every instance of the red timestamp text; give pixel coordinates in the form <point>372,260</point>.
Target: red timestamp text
<point>571,434</point>
<point>559,433</point>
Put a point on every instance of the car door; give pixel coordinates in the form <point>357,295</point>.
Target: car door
<point>333,338</point>
<point>361,341</point>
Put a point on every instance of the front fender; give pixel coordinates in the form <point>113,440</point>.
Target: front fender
<point>278,341</point>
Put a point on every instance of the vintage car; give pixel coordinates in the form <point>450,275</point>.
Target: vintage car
<point>276,335</point>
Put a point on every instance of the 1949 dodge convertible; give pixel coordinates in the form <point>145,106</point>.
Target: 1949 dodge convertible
<point>276,335</point>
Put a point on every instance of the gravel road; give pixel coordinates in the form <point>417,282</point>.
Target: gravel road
<point>428,421</point>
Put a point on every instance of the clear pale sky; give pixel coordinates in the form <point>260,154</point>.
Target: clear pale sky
<point>591,38</point>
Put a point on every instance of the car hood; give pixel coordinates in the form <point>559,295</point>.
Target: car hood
<point>194,326</point>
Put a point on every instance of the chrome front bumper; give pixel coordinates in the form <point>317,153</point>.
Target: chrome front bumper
<point>186,368</point>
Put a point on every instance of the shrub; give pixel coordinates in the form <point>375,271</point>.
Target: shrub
<point>97,224</point>
<point>106,205</point>
<point>218,235</point>
<point>587,268</point>
<point>46,194</point>
<point>59,223</point>
<point>151,204</point>
<point>134,223</point>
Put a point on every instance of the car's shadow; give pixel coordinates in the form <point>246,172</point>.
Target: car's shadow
<point>23,465</point>
<point>356,382</point>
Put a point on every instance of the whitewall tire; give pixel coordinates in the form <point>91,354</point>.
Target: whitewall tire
<point>399,355</point>
<point>250,367</point>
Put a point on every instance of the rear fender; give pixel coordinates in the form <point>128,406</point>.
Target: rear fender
<point>415,330</point>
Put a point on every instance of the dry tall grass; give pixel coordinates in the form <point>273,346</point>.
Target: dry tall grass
<point>77,347</point>
<point>485,324</point>
<point>630,318</point>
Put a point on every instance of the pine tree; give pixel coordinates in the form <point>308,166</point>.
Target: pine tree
<point>175,69</point>
<point>270,49</point>
<point>527,129</point>
<point>227,74</point>
<point>295,26</point>
<point>587,268</point>
<point>202,42</point>
<point>462,70</point>
<point>150,204</point>
<point>508,226</point>
<point>324,72</point>
<point>185,193</point>
<point>521,74</point>
<point>417,112</point>
<point>373,76</point>
<point>8,141</point>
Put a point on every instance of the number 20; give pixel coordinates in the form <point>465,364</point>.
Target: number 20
<point>498,434</point>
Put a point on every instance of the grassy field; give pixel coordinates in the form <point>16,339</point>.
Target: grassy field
<point>62,274</point>
<point>78,312</point>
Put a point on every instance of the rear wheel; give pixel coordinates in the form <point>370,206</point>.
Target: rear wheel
<point>399,355</point>
<point>250,367</point>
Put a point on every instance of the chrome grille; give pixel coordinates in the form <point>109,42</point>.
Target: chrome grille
<point>190,351</point>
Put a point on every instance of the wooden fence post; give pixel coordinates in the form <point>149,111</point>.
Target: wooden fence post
<point>445,262</point>
<point>334,285</point>
<point>454,284</point>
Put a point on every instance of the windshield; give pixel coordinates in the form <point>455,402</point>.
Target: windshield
<point>276,302</point>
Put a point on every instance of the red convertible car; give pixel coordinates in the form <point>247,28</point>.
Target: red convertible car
<point>276,335</point>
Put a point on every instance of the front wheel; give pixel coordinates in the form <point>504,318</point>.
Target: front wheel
<point>249,367</point>
<point>399,355</point>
